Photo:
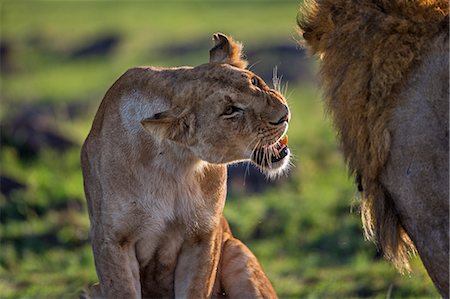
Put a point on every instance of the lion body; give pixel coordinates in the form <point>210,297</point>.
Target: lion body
<point>154,167</point>
<point>384,69</point>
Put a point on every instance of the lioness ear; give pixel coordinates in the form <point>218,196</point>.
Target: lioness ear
<point>226,50</point>
<point>169,125</point>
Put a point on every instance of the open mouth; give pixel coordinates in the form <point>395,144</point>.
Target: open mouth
<point>269,156</point>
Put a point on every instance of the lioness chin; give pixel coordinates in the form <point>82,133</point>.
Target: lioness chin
<point>154,168</point>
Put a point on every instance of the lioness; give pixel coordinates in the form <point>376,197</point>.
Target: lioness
<point>154,168</point>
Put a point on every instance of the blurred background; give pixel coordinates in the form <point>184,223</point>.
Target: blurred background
<point>58,58</point>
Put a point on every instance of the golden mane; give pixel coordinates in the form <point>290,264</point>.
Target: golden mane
<point>367,49</point>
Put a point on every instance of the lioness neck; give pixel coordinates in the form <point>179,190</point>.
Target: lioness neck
<point>176,160</point>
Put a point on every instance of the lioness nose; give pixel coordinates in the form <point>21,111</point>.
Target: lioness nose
<point>284,118</point>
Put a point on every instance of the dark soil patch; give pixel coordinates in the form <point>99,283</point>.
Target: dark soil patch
<point>8,185</point>
<point>100,46</point>
<point>32,128</point>
<point>8,63</point>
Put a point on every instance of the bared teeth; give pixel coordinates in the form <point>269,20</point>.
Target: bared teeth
<point>282,143</point>
<point>284,140</point>
<point>279,152</point>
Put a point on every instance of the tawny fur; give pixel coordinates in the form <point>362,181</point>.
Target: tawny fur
<point>368,49</point>
<point>154,169</point>
<point>234,48</point>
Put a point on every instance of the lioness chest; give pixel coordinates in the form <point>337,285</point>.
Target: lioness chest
<point>157,261</point>
<point>158,254</point>
<point>179,213</point>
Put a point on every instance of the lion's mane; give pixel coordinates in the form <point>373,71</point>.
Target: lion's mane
<point>367,49</point>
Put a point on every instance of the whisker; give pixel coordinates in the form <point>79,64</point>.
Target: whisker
<point>290,94</point>
<point>253,64</point>
<point>285,89</point>
<point>255,148</point>
<point>275,152</point>
<point>258,150</point>
<point>278,83</point>
<point>250,143</point>
<point>275,79</point>
<point>254,151</point>
<point>267,157</point>
<point>247,171</point>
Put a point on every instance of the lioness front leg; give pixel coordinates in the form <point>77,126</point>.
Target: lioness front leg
<point>197,268</point>
<point>117,269</point>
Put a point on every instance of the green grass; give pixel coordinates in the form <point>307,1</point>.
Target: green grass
<point>303,232</point>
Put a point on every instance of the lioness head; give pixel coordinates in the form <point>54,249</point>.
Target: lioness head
<point>225,113</point>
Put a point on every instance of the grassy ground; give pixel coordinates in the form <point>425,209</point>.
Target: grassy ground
<point>302,230</point>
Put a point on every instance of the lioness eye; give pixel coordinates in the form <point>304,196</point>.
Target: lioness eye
<point>231,110</point>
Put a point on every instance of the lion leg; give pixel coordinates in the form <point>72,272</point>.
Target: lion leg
<point>93,292</point>
<point>240,274</point>
<point>196,268</point>
<point>117,269</point>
